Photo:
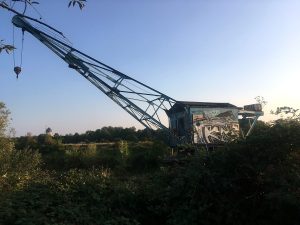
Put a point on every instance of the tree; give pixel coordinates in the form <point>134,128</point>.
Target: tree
<point>16,167</point>
<point>4,119</point>
<point>287,112</point>
<point>5,143</point>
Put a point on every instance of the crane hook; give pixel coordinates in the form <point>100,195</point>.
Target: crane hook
<point>17,70</point>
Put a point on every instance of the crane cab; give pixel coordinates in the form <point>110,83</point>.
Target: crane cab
<point>208,123</point>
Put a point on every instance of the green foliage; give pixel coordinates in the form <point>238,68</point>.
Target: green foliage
<point>6,48</point>
<point>249,182</point>
<point>91,157</point>
<point>4,119</point>
<point>74,197</point>
<point>109,134</point>
<point>28,142</point>
<point>288,112</point>
<point>253,181</point>
<point>142,158</point>
<point>17,168</point>
<point>123,147</point>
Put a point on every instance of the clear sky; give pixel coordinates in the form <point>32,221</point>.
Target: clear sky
<point>192,50</point>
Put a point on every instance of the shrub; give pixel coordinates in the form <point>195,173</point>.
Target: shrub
<point>17,168</point>
<point>143,158</point>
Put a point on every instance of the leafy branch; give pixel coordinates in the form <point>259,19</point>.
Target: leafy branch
<point>260,100</point>
<point>80,3</point>
<point>6,48</point>
<point>287,111</point>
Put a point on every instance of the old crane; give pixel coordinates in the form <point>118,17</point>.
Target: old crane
<point>189,122</point>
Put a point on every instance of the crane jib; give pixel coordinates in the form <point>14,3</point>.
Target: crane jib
<point>145,104</point>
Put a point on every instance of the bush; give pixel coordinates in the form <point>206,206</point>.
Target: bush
<point>73,197</point>
<point>143,158</point>
<point>253,181</point>
<point>17,168</point>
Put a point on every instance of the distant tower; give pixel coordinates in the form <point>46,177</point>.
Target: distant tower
<point>49,131</point>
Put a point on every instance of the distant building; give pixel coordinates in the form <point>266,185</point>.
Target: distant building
<point>49,131</point>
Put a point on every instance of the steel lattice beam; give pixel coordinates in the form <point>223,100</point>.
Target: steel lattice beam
<point>144,103</point>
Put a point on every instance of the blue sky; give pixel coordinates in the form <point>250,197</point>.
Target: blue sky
<point>195,50</point>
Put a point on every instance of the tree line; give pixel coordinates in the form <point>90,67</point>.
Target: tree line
<point>105,134</point>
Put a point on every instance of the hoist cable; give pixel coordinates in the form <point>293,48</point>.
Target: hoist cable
<point>35,9</point>
<point>22,45</point>
<point>30,18</point>
<point>12,4</point>
<point>14,45</point>
<point>25,7</point>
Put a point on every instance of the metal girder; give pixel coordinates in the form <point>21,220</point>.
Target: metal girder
<point>144,103</point>
<point>250,115</point>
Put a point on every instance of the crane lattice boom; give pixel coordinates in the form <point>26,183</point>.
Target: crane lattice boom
<point>144,103</point>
